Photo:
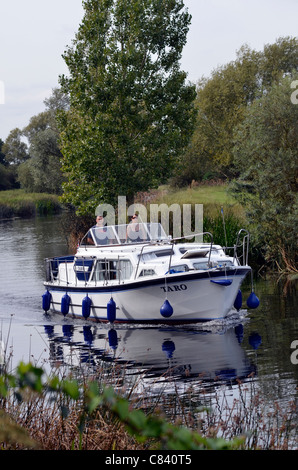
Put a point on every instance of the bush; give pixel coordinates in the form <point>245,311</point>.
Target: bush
<point>93,406</point>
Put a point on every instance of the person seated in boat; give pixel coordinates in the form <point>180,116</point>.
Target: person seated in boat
<point>135,230</point>
<point>100,232</point>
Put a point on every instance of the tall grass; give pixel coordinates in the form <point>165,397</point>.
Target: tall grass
<point>196,194</point>
<point>18,203</point>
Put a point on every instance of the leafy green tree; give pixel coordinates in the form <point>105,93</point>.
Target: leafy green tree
<point>13,152</point>
<point>15,149</point>
<point>42,171</point>
<point>2,154</point>
<point>7,178</point>
<point>222,101</point>
<point>131,110</point>
<point>7,172</point>
<point>266,155</point>
<point>279,60</point>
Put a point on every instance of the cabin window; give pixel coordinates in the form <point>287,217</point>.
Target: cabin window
<point>179,269</point>
<point>223,264</point>
<point>156,254</point>
<point>201,265</point>
<point>125,269</point>
<point>147,272</point>
<point>116,269</point>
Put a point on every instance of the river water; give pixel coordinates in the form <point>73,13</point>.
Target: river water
<point>254,346</point>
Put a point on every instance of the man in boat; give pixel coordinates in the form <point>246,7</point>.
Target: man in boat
<point>100,232</point>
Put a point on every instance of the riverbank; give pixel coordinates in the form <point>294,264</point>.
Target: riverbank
<point>222,215</point>
<point>18,203</point>
<point>87,414</point>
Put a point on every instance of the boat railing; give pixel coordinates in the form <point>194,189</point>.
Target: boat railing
<point>244,245</point>
<point>108,272</point>
<point>172,242</point>
<point>201,234</point>
<point>85,269</point>
<point>52,268</point>
<point>240,249</point>
<point>140,257</point>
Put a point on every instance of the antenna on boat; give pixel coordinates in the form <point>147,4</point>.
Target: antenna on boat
<point>224,226</point>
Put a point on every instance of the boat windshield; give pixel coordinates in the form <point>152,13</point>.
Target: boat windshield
<point>124,234</point>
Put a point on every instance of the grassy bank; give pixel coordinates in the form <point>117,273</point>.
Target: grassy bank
<point>18,203</point>
<point>212,196</point>
<point>196,194</point>
<point>215,198</point>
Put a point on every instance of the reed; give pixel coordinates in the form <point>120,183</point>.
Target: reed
<point>18,203</point>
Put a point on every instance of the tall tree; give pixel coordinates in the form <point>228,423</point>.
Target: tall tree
<point>15,149</point>
<point>42,171</point>
<point>222,100</point>
<point>131,109</point>
<point>266,155</point>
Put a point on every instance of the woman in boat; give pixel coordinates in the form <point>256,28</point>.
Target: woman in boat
<point>135,230</point>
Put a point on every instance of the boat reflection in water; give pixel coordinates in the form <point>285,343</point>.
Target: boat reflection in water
<point>155,353</point>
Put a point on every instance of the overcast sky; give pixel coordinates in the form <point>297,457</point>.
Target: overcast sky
<point>34,34</point>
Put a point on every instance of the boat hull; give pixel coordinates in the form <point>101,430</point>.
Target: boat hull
<point>194,297</point>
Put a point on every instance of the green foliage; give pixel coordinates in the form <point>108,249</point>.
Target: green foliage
<point>2,154</point>
<point>151,429</point>
<point>42,171</point>
<point>266,155</point>
<point>131,111</point>
<point>31,155</point>
<point>224,230</point>
<point>15,149</point>
<point>7,173</point>
<point>222,101</point>
<point>7,178</point>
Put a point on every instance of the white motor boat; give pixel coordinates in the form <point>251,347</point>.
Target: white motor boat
<point>145,276</point>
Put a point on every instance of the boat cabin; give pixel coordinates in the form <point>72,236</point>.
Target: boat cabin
<point>116,254</point>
